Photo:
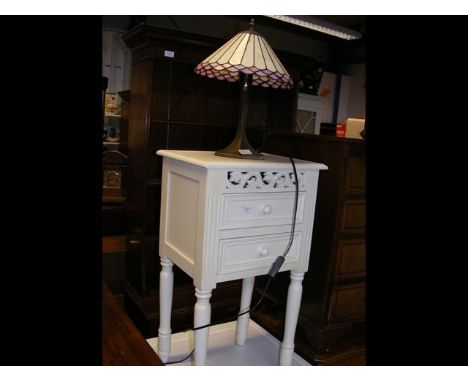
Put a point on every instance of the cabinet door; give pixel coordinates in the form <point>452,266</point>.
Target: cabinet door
<point>353,220</point>
<point>347,303</point>
<point>350,259</point>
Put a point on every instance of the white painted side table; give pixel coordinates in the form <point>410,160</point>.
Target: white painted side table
<point>227,219</point>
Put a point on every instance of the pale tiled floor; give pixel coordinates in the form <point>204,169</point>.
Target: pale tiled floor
<point>260,349</point>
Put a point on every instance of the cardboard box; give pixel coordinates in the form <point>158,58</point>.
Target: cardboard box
<point>354,127</point>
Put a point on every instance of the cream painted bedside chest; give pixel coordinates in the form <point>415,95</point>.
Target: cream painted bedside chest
<point>226,219</point>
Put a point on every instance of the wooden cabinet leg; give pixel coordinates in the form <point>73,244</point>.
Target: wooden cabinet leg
<point>293,305</point>
<point>166,284</point>
<point>202,316</point>
<point>243,321</point>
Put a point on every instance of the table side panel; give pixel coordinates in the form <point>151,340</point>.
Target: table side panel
<point>182,199</point>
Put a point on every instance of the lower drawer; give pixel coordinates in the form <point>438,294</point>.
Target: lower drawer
<point>247,253</point>
<point>347,303</point>
<point>354,216</point>
<point>351,258</point>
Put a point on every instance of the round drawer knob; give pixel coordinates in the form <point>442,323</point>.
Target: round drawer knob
<point>263,251</point>
<point>267,209</point>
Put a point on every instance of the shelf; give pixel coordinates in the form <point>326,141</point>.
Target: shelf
<point>113,199</point>
<point>153,182</point>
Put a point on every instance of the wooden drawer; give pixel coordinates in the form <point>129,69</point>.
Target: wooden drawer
<point>347,303</point>
<point>350,258</point>
<point>260,209</point>
<point>256,252</point>
<point>356,175</point>
<point>354,216</point>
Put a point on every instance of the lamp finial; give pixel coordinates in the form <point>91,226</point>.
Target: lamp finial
<point>252,23</point>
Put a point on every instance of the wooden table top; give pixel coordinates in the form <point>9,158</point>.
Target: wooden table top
<point>122,343</point>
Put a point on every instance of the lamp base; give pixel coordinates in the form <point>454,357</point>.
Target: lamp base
<point>231,154</point>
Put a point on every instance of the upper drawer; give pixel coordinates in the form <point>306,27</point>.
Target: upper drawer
<point>259,210</point>
<point>356,176</point>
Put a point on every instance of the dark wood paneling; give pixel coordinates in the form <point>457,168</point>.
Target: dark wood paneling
<point>141,92</point>
<point>351,259</point>
<point>200,99</point>
<point>157,140</point>
<point>353,356</point>
<point>184,136</point>
<point>347,303</point>
<point>113,217</point>
<point>354,216</point>
<point>356,179</point>
<point>161,82</point>
<point>134,260</point>
<point>112,244</point>
<point>153,206</point>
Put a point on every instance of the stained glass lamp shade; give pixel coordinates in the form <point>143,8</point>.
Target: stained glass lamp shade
<point>247,58</point>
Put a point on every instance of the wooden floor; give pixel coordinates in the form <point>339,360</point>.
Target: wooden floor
<point>122,342</point>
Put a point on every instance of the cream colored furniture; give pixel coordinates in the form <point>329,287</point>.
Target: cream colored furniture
<point>226,219</point>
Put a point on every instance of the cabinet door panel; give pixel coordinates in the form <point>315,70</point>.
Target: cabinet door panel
<point>354,216</point>
<point>351,258</point>
<point>356,176</point>
<point>347,303</point>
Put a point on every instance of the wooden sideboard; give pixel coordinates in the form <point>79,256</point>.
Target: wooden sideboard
<point>332,314</point>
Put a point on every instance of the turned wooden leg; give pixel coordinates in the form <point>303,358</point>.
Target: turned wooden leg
<point>202,317</point>
<point>293,305</point>
<point>243,321</point>
<point>166,283</point>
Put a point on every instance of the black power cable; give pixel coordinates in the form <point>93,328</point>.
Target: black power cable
<point>274,268</point>
<point>280,260</point>
<point>182,360</point>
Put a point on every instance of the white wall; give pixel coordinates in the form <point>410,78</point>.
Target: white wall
<point>116,61</point>
<point>352,101</point>
<point>327,92</point>
<point>357,91</point>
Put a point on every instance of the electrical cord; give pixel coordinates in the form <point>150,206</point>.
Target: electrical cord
<point>182,360</point>
<point>274,268</point>
<point>280,260</point>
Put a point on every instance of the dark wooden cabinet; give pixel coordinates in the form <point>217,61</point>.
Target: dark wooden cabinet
<point>173,108</point>
<point>332,315</point>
